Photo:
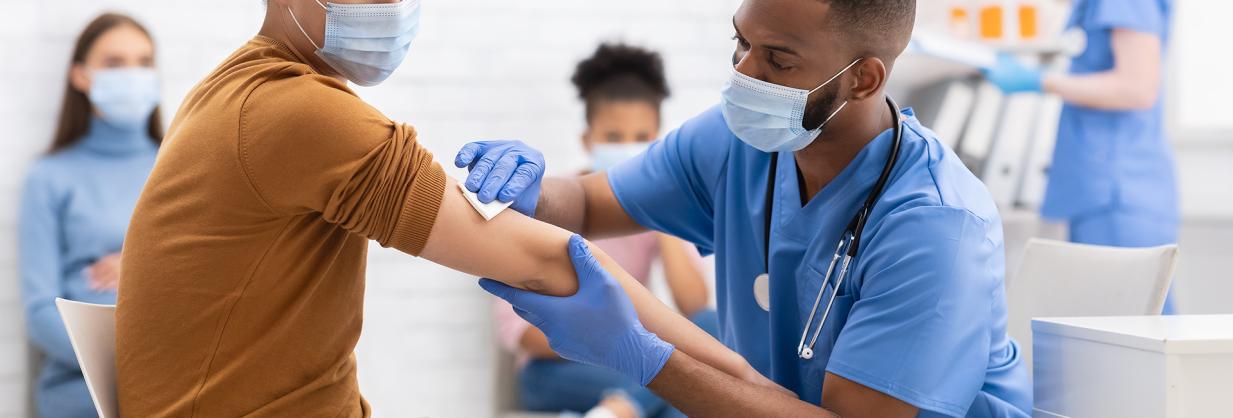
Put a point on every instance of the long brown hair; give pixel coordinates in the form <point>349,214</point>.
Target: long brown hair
<point>76,110</point>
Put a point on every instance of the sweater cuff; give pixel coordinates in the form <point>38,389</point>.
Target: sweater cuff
<point>419,212</point>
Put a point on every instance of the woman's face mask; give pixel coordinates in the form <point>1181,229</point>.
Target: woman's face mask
<point>365,43</point>
<point>124,97</point>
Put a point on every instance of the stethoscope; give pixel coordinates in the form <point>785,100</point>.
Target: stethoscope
<point>849,241</point>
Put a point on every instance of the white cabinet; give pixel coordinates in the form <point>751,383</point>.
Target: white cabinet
<point>1140,366</point>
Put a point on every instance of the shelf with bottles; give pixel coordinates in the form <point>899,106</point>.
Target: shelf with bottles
<point>1016,26</point>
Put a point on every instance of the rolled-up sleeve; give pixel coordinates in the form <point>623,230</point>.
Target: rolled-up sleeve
<point>314,147</point>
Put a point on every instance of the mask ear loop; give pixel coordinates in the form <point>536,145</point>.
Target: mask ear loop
<point>828,81</point>
<point>832,116</point>
<point>298,25</point>
<point>845,102</point>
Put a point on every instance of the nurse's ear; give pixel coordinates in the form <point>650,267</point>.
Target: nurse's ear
<point>870,75</point>
<point>79,78</point>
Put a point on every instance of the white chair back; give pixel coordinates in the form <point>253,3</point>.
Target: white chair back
<point>92,330</point>
<point>1058,279</point>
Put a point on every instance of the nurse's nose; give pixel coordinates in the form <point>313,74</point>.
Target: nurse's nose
<point>744,63</point>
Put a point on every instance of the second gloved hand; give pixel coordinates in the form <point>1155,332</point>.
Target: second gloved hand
<point>509,171</point>
<point>596,326</point>
<point>1012,76</point>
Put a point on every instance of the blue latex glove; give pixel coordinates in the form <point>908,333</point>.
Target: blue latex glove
<point>503,170</point>
<point>596,326</point>
<point>1012,76</point>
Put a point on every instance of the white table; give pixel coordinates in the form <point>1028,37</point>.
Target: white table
<point>1133,366</point>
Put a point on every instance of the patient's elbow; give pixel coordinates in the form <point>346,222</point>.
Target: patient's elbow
<point>555,275</point>
<point>551,287</point>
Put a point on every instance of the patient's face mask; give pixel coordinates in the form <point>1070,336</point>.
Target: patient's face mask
<point>770,117</point>
<point>365,43</point>
<point>605,156</point>
<point>124,97</point>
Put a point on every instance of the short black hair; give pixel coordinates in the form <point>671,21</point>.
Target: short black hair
<point>880,28</point>
<point>618,72</point>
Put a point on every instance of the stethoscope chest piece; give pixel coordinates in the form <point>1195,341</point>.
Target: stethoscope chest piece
<point>762,291</point>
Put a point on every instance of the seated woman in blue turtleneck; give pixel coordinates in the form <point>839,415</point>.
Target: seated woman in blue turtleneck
<point>78,199</point>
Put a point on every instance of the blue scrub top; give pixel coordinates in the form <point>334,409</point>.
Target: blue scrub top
<point>1108,160</point>
<point>922,317</point>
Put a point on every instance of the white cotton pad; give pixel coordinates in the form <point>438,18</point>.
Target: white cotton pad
<point>487,210</point>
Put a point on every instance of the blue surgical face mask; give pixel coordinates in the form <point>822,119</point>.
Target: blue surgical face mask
<point>124,97</point>
<point>771,117</point>
<point>365,43</point>
<point>606,156</point>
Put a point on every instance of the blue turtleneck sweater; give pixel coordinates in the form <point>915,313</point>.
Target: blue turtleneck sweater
<point>75,209</point>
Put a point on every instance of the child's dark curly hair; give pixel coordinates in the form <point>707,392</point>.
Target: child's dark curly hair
<point>620,72</point>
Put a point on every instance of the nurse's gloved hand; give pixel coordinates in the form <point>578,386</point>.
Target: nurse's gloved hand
<point>596,326</point>
<point>1012,76</point>
<point>508,171</point>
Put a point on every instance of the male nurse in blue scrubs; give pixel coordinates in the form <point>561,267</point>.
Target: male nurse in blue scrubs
<point>919,326</point>
<point>1112,177</point>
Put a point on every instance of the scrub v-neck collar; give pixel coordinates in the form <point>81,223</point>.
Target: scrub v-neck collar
<point>845,193</point>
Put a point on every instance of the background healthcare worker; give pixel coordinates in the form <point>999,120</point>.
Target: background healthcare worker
<point>918,327</point>
<point>622,88</point>
<point>1112,177</point>
<point>78,199</point>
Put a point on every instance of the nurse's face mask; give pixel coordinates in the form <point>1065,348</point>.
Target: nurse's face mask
<point>365,43</point>
<point>771,117</point>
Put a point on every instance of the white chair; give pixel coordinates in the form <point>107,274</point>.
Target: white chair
<point>1060,279</point>
<point>92,330</point>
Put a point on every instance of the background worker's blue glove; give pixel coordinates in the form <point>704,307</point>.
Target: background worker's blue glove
<point>1012,76</point>
<point>509,171</point>
<point>596,326</point>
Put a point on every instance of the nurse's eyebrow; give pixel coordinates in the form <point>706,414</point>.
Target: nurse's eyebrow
<point>738,30</point>
<point>777,48</point>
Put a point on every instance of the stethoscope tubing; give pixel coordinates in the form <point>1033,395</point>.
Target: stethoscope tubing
<point>849,241</point>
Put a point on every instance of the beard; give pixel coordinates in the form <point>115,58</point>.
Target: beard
<point>817,110</point>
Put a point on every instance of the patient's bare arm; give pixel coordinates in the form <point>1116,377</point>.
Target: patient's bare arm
<point>533,255</point>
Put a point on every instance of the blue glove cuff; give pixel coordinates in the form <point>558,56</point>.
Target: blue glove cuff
<point>656,354</point>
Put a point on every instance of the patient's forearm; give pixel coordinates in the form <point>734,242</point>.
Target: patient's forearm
<point>510,248</point>
<point>532,255</point>
<point>674,328</point>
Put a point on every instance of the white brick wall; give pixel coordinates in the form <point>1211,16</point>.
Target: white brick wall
<point>481,69</point>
